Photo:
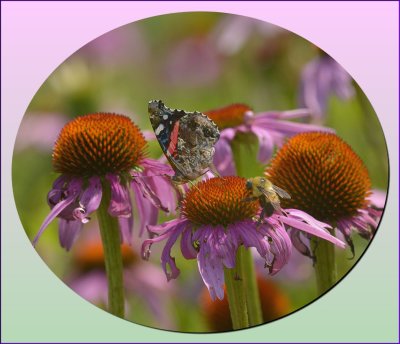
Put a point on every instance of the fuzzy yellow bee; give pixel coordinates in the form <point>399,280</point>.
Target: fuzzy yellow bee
<point>267,194</point>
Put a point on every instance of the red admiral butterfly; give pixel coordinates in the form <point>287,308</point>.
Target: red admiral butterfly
<point>186,138</point>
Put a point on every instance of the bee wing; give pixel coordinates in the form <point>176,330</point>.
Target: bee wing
<point>271,197</point>
<point>281,193</point>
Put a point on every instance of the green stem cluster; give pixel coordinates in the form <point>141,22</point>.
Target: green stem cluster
<point>241,282</point>
<point>110,236</point>
<point>325,266</point>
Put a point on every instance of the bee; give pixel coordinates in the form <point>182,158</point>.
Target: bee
<point>267,194</point>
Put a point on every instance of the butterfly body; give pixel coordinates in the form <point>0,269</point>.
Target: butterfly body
<point>186,138</point>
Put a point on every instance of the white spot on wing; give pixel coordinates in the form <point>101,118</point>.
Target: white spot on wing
<point>165,117</point>
<point>159,129</point>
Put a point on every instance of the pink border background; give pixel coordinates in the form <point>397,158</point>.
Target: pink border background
<point>38,36</point>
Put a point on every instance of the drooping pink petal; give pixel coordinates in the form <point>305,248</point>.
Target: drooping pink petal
<point>120,201</point>
<point>281,247</point>
<point>211,270</point>
<point>187,249</point>
<point>299,222</point>
<point>147,212</point>
<point>265,142</point>
<point>91,197</point>
<point>289,128</point>
<point>307,218</point>
<point>68,232</point>
<point>155,183</point>
<point>283,115</point>
<point>162,231</point>
<point>89,201</point>
<point>251,237</point>
<point>378,198</point>
<point>299,244</point>
<point>166,226</point>
<point>71,195</point>
<point>167,262</point>
<point>223,158</point>
<point>225,243</point>
<point>158,167</point>
<point>126,227</point>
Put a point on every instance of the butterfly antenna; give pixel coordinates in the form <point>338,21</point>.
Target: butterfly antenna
<point>155,175</point>
<point>193,184</point>
<point>213,170</point>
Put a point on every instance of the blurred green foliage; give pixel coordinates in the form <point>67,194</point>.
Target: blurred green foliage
<point>123,70</point>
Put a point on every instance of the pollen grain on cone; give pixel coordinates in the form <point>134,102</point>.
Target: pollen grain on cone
<point>228,116</point>
<point>219,201</point>
<point>323,175</point>
<point>97,144</point>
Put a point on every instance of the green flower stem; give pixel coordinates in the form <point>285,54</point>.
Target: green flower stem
<point>252,293</point>
<point>245,149</point>
<point>110,236</point>
<point>236,290</point>
<point>325,266</point>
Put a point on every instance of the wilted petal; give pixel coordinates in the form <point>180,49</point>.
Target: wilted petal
<point>211,270</point>
<point>168,262</point>
<point>285,115</point>
<point>225,244</point>
<point>265,142</point>
<point>126,227</point>
<point>120,201</point>
<point>91,197</point>
<point>299,244</point>
<point>156,184</point>
<point>187,249</point>
<point>223,158</point>
<point>288,128</point>
<point>147,212</point>
<point>378,198</point>
<point>281,247</point>
<point>297,223</point>
<point>68,232</point>
<point>162,231</point>
<point>166,226</point>
<point>251,237</point>
<point>89,200</point>
<point>71,194</point>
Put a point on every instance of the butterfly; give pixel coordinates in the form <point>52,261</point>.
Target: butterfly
<point>186,138</point>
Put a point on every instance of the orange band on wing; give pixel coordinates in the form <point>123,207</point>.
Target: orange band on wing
<point>174,139</point>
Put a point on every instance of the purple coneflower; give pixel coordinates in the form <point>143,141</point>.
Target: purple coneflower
<point>321,78</point>
<point>328,180</point>
<point>215,221</point>
<point>97,151</point>
<point>270,128</point>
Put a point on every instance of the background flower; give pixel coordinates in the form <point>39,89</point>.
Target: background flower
<point>270,128</point>
<point>274,303</point>
<point>322,78</point>
<point>142,281</point>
